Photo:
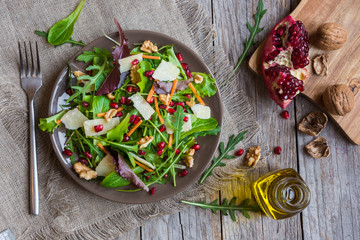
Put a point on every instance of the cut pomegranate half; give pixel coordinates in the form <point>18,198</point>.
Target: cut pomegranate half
<point>285,56</point>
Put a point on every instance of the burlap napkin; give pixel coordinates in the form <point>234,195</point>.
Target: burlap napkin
<point>68,211</point>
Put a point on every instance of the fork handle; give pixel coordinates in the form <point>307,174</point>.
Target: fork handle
<point>34,180</point>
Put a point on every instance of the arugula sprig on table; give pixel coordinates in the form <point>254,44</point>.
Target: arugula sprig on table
<point>223,154</point>
<point>253,31</point>
<point>227,206</point>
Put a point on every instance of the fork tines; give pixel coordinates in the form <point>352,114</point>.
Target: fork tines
<point>29,69</point>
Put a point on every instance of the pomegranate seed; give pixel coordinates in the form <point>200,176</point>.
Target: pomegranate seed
<point>128,101</point>
<point>150,118</point>
<point>87,154</point>
<point>151,100</point>
<point>135,62</point>
<point>239,152</point>
<point>129,89</point>
<point>162,106</point>
<point>147,177</point>
<point>114,105</point>
<point>149,73</point>
<point>136,89</point>
<point>83,161</point>
<point>153,191</point>
<point>183,173</point>
<point>166,175</point>
<point>132,119</point>
<point>126,138</point>
<point>119,114</point>
<point>122,100</point>
<point>188,96</point>
<point>177,151</point>
<point>151,78</point>
<point>196,147</point>
<point>137,119</point>
<point>188,73</point>
<point>98,128</point>
<point>141,152</point>
<point>285,115</point>
<point>159,152</point>
<point>277,150</point>
<point>69,91</point>
<point>67,152</point>
<point>185,66</point>
<point>162,128</point>
<point>85,104</point>
<point>180,104</point>
<point>161,145</point>
<point>171,110</point>
<point>186,119</point>
<point>90,72</point>
<point>171,104</point>
<point>179,57</point>
<point>185,110</point>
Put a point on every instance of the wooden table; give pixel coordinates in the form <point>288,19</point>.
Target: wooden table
<point>334,182</point>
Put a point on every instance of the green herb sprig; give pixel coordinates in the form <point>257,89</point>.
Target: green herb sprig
<point>71,41</point>
<point>223,154</point>
<point>253,31</point>
<point>227,206</point>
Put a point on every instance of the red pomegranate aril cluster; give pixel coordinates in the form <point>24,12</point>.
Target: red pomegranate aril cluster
<point>179,57</point>
<point>114,105</point>
<point>171,104</point>
<point>126,138</point>
<point>85,104</point>
<point>149,73</point>
<point>67,152</point>
<point>162,106</point>
<point>135,62</point>
<point>119,114</point>
<point>161,145</point>
<point>137,119</point>
<point>83,160</point>
<point>183,173</point>
<point>196,147</point>
<point>98,128</point>
<point>188,73</point>
<point>285,114</point>
<point>159,152</point>
<point>186,119</point>
<point>88,155</point>
<point>122,100</point>
<point>171,110</point>
<point>185,66</point>
<point>180,104</point>
<point>298,37</point>
<point>277,150</point>
<point>162,128</point>
<point>239,152</point>
<point>129,89</point>
<point>141,152</point>
<point>152,191</point>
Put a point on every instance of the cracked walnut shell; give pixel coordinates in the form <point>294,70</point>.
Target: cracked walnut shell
<point>313,123</point>
<point>318,148</point>
<point>252,156</point>
<point>320,64</point>
<point>84,171</point>
<point>338,99</point>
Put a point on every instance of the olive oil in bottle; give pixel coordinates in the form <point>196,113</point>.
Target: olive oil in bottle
<point>281,193</point>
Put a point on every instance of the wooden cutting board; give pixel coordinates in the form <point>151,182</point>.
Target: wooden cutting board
<point>343,64</point>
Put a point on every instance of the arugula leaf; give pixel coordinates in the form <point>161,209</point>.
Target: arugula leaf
<point>227,206</point>
<point>100,104</point>
<point>144,84</point>
<point>114,180</point>
<point>49,124</point>
<point>120,146</point>
<point>71,41</point>
<point>62,31</point>
<point>201,125</point>
<point>117,133</point>
<point>223,154</point>
<point>179,122</point>
<point>88,56</point>
<point>253,31</point>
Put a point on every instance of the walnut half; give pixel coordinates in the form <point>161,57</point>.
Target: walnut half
<point>84,171</point>
<point>145,141</point>
<point>253,155</point>
<point>313,123</point>
<point>148,47</point>
<point>189,159</point>
<point>318,148</point>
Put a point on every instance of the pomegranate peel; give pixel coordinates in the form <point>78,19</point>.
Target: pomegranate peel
<point>284,59</point>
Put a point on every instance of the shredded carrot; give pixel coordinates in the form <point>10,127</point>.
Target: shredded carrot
<point>58,121</point>
<point>151,93</point>
<point>196,95</point>
<point>170,140</point>
<point>103,114</point>
<point>172,91</point>
<point>143,166</point>
<point>158,111</point>
<point>102,148</point>
<point>134,128</point>
<point>151,57</point>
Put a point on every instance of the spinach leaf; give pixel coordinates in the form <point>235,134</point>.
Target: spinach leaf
<point>144,84</point>
<point>100,104</point>
<point>117,133</point>
<point>71,41</point>
<point>62,31</point>
<point>200,125</point>
<point>115,180</point>
<point>49,124</point>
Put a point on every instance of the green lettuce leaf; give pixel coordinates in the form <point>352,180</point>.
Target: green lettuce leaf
<point>117,133</point>
<point>49,124</point>
<point>115,180</point>
<point>100,104</point>
<point>144,84</point>
<point>201,125</point>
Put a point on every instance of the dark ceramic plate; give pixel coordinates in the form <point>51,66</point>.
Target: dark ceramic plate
<point>209,144</point>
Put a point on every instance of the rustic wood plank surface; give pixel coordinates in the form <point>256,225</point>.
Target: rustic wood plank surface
<point>334,183</point>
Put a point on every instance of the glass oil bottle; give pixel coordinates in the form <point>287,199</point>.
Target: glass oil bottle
<point>281,193</point>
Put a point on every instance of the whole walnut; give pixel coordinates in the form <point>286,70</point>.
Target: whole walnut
<point>338,99</point>
<point>331,36</point>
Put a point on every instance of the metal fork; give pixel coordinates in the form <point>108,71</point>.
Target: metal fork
<point>31,81</point>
